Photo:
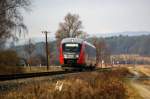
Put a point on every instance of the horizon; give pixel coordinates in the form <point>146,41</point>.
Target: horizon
<point>104,35</point>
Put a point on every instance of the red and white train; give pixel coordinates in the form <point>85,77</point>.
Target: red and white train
<point>77,54</point>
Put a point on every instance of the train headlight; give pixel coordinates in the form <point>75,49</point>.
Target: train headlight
<point>77,56</point>
<point>65,56</point>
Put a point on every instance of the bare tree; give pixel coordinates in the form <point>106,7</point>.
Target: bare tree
<point>84,35</point>
<point>102,51</point>
<point>29,49</point>
<point>11,20</point>
<point>71,27</point>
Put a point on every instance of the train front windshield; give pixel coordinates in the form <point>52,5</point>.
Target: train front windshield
<point>71,47</point>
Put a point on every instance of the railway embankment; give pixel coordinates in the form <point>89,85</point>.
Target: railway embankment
<point>99,84</point>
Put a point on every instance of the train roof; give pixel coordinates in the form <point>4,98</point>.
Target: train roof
<point>77,40</point>
<point>89,44</point>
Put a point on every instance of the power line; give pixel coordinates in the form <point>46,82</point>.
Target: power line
<point>46,48</point>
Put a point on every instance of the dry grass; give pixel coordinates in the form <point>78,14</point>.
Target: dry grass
<point>88,85</point>
<point>41,69</point>
<point>141,82</point>
<point>145,69</point>
<point>131,92</point>
<point>146,82</point>
<point>10,70</point>
<point>133,57</point>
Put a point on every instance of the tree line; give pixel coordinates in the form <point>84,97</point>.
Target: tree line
<point>129,44</point>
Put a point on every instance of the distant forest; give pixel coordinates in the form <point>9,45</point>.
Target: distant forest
<point>116,44</point>
<point>129,44</point>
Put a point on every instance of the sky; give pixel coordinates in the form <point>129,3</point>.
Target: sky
<point>97,16</point>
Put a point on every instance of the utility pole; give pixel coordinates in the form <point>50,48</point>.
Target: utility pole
<point>46,48</point>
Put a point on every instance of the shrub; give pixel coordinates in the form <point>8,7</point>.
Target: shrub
<point>83,86</point>
<point>8,62</point>
<point>121,72</point>
<point>9,58</point>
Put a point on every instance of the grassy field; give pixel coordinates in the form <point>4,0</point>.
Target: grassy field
<point>87,85</point>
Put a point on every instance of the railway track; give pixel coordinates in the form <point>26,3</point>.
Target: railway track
<point>40,74</point>
<point>15,81</point>
<point>9,82</point>
<point>30,75</point>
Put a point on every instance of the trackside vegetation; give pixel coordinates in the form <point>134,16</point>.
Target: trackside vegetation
<point>87,85</point>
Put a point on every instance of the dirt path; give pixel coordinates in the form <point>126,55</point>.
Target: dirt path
<point>142,89</point>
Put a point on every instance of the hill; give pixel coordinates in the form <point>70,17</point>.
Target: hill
<point>117,45</point>
<point>138,45</point>
<point>129,44</point>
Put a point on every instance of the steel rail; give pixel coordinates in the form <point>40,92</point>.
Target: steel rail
<point>30,75</point>
<point>41,74</point>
